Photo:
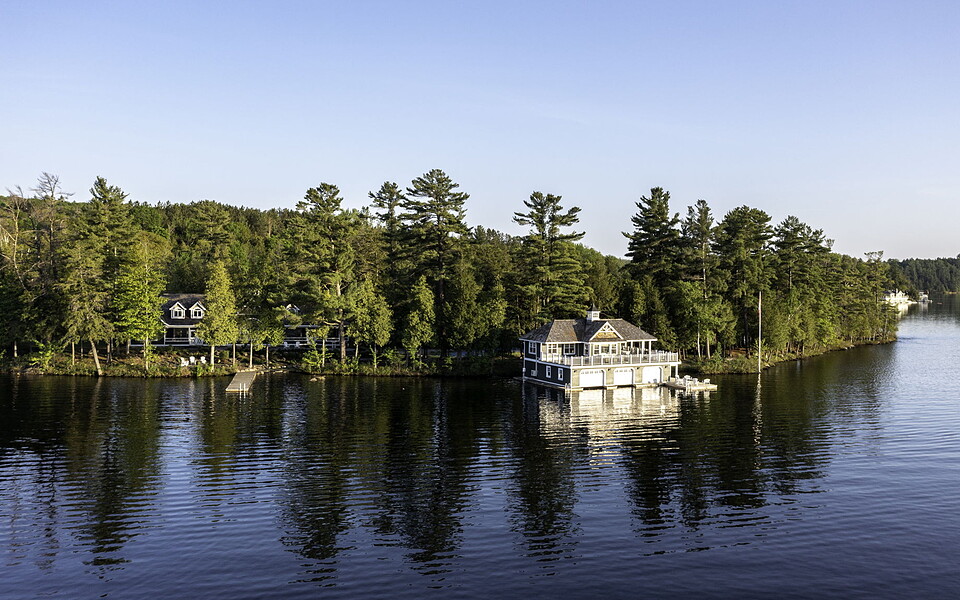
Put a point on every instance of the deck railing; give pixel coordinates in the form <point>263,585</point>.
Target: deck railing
<point>612,359</point>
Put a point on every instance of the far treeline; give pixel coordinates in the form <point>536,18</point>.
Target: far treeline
<point>408,272</point>
<point>932,275</point>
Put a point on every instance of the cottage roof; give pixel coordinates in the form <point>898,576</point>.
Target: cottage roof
<point>568,331</point>
<point>187,301</point>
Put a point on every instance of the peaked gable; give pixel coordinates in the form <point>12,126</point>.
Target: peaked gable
<point>584,331</point>
<point>177,309</point>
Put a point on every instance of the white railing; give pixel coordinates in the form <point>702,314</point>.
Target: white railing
<point>612,359</point>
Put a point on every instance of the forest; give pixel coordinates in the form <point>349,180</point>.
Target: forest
<point>933,275</point>
<point>406,277</point>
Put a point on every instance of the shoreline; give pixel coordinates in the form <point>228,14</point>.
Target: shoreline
<point>486,367</point>
<point>741,365</point>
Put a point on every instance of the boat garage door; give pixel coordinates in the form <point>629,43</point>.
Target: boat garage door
<point>592,378</point>
<point>651,375</point>
<point>623,377</point>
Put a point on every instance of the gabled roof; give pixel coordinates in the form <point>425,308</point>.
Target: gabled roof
<point>186,302</point>
<point>569,331</point>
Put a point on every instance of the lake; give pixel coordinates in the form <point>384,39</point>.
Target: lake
<point>838,476</point>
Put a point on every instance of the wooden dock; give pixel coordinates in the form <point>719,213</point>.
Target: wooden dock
<point>690,384</point>
<point>242,381</point>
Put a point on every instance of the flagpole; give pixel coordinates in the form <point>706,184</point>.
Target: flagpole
<point>759,327</point>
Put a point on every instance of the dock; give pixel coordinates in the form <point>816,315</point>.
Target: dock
<point>690,384</point>
<point>242,381</point>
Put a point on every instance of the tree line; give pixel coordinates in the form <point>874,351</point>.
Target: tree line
<point>933,275</point>
<point>408,271</point>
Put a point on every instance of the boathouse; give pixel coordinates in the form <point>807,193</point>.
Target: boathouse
<point>593,352</point>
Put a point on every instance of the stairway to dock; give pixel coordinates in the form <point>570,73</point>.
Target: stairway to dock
<point>242,381</point>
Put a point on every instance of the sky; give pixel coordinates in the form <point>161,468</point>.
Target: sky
<point>844,114</point>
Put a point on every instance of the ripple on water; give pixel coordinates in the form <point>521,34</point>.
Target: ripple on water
<point>838,476</point>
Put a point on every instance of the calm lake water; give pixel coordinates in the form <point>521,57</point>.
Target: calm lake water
<point>834,477</point>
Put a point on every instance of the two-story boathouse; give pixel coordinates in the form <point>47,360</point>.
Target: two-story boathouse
<point>594,353</point>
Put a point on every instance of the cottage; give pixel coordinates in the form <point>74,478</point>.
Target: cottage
<point>181,313</point>
<point>594,352</point>
<point>897,298</point>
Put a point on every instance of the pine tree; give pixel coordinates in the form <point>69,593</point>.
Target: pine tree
<point>744,257</point>
<point>435,217</point>
<point>654,242</point>
<point>323,258</point>
<point>85,298</point>
<point>552,280</point>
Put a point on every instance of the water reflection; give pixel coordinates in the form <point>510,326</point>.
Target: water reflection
<point>344,477</point>
<point>688,461</point>
<point>82,460</point>
<point>543,491</point>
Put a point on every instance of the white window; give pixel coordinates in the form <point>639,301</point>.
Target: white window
<point>177,312</point>
<point>560,373</point>
<point>548,371</point>
<point>196,312</point>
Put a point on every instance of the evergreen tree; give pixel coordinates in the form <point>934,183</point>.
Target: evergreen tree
<point>434,214</point>
<point>137,303</point>
<point>373,319</point>
<point>324,258</point>
<point>418,329</point>
<point>85,298</point>
<point>744,256</point>
<point>220,323</point>
<point>389,201</point>
<point>110,223</point>
<point>654,242</point>
<point>552,281</point>
<point>462,307</point>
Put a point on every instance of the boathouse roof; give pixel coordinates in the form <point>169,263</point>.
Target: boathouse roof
<point>568,331</point>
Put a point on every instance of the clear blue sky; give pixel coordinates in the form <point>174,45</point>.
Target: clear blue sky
<point>845,114</point>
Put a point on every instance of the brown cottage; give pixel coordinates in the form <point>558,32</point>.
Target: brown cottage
<point>593,352</point>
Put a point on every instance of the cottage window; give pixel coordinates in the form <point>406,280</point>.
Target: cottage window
<point>548,373</point>
<point>177,312</point>
<point>569,349</point>
<point>196,312</point>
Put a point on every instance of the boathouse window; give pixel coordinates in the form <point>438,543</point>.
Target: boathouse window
<point>548,369</point>
<point>560,373</point>
<point>177,312</point>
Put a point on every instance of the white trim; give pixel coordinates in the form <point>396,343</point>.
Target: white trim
<point>177,311</point>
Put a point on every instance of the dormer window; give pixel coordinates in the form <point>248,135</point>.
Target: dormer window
<point>196,311</point>
<point>177,311</point>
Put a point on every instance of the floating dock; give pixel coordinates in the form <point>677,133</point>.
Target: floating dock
<point>242,381</point>
<point>690,384</point>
